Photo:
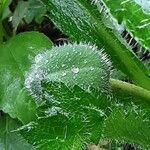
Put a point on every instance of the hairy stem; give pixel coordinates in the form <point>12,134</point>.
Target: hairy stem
<point>131,89</point>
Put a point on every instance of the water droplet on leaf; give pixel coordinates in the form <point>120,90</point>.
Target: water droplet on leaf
<point>92,68</point>
<point>75,70</point>
<point>64,74</point>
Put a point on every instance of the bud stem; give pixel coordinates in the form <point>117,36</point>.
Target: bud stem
<point>133,90</point>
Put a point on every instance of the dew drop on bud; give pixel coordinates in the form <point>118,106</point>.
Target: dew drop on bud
<point>64,74</point>
<point>75,70</point>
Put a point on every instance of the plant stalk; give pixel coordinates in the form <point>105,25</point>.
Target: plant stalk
<point>131,89</point>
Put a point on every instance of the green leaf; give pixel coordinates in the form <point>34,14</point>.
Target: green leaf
<point>3,3</point>
<point>75,100</point>
<point>28,10</point>
<point>36,11</point>
<point>82,22</point>
<point>15,60</point>
<point>6,10</point>
<point>11,140</point>
<point>55,133</point>
<point>19,13</point>
<point>134,15</point>
<point>71,118</point>
<point>129,126</point>
<point>72,64</point>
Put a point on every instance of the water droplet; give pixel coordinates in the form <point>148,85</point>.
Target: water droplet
<point>91,47</point>
<point>75,70</point>
<point>92,69</point>
<point>29,128</point>
<point>77,98</point>
<point>64,74</point>
<point>46,61</point>
<point>27,82</point>
<point>85,61</point>
<point>63,65</point>
<point>37,75</point>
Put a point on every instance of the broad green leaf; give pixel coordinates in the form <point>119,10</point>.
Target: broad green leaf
<point>15,60</point>
<point>129,126</point>
<point>71,118</point>
<point>11,140</point>
<point>55,133</point>
<point>75,100</point>
<point>134,15</point>
<point>82,22</point>
<point>72,64</point>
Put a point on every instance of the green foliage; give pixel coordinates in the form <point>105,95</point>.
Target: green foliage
<point>36,11</point>
<point>70,119</point>
<point>15,59</point>
<point>3,3</point>
<point>128,126</point>
<point>25,12</point>
<point>8,138</point>
<point>6,11</point>
<point>82,22</point>
<point>28,11</point>
<point>134,15</point>
<point>75,64</point>
<point>62,97</point>
<point>19,13</point>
